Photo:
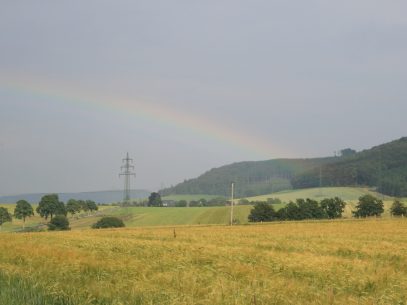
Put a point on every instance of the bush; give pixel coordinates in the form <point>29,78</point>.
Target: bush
<point>58,223</point>
<point>108,222</point>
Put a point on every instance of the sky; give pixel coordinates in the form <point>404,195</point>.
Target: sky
<point>185,86</point>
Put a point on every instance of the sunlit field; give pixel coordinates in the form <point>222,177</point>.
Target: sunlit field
<point>325,262</point>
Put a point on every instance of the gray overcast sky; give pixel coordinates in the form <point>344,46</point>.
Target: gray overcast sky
<point>305,77</point>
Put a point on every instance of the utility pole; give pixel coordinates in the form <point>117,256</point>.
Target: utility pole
<point>232,203</point>
<point>320,180</point>
<point>127,170</point>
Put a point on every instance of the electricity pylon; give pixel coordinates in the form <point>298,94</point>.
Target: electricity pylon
<point>127,171</point>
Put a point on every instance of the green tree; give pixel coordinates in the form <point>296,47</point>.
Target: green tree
<point>49,206</point>
<point>289,212</point>
<point>61,209</point>
<point>310,209</point>
<point>262,211</point>
<point>91,205</point>
<point>73,206</point>
<point>333,207</point>
<point>368,205</point>
<point>154,200</point>
<point>23,210</point>
<point>58,223</point>
<point>5,216</point>
<point>84,205</point>
<point>398,208</point>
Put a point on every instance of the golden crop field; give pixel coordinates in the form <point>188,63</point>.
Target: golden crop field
<point>325,262</point>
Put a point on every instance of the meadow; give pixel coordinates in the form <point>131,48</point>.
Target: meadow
<point>345,193</point>
<point>316,262</point>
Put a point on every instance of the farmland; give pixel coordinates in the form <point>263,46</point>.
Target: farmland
<point>327,262</point>
<point>151,216</point>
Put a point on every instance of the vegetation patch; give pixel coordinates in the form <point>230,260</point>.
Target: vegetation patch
<point>109,222</point>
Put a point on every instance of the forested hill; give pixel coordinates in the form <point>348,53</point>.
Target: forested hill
<point>383,166</point>
<point>251,178</point>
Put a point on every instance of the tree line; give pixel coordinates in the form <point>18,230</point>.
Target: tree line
<point>48,207</point>
<point>330,208</point>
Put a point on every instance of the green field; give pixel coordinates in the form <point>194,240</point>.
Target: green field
<point>346,193</point>
<point>148,216</point>
<point>355,262</point>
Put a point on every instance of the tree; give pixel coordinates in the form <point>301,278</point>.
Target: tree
<point>398,209</point>
<point>60,209</point>
<point>5,216</point>
<point>84,205</point>
<point>348,152</point>
<point>290,212</point>
<point>310,209</point>
<point>333,207</point>
<point>262,211</point>
<point>58,223</point>
<point>50,206</point>
<point>23,210</point>
<point>368,205</point>
<point>91,205</point>
<point>154,200</point>
<point>108,222</point>
<point>73,206</point>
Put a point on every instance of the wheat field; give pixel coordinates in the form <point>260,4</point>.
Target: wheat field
<point>324,262</point>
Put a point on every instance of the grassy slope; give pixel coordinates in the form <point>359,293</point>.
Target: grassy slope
<point>189,197</point>
<point>346,193</point>
<point>142,216</point>
<point>358,262</point>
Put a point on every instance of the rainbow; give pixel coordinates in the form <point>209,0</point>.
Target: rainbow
<point>153,112</point>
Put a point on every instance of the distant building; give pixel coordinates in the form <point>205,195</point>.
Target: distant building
<point>169,203</point>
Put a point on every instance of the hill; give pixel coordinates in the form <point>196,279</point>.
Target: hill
<point>251,177</point>
<point>383,166</point>
<point>98,196</point>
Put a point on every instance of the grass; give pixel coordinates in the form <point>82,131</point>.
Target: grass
<point>346,193</point>
<point>329,262</point>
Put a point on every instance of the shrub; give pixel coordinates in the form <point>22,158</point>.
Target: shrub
<point>108,222</point>
<point>58,223</point>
